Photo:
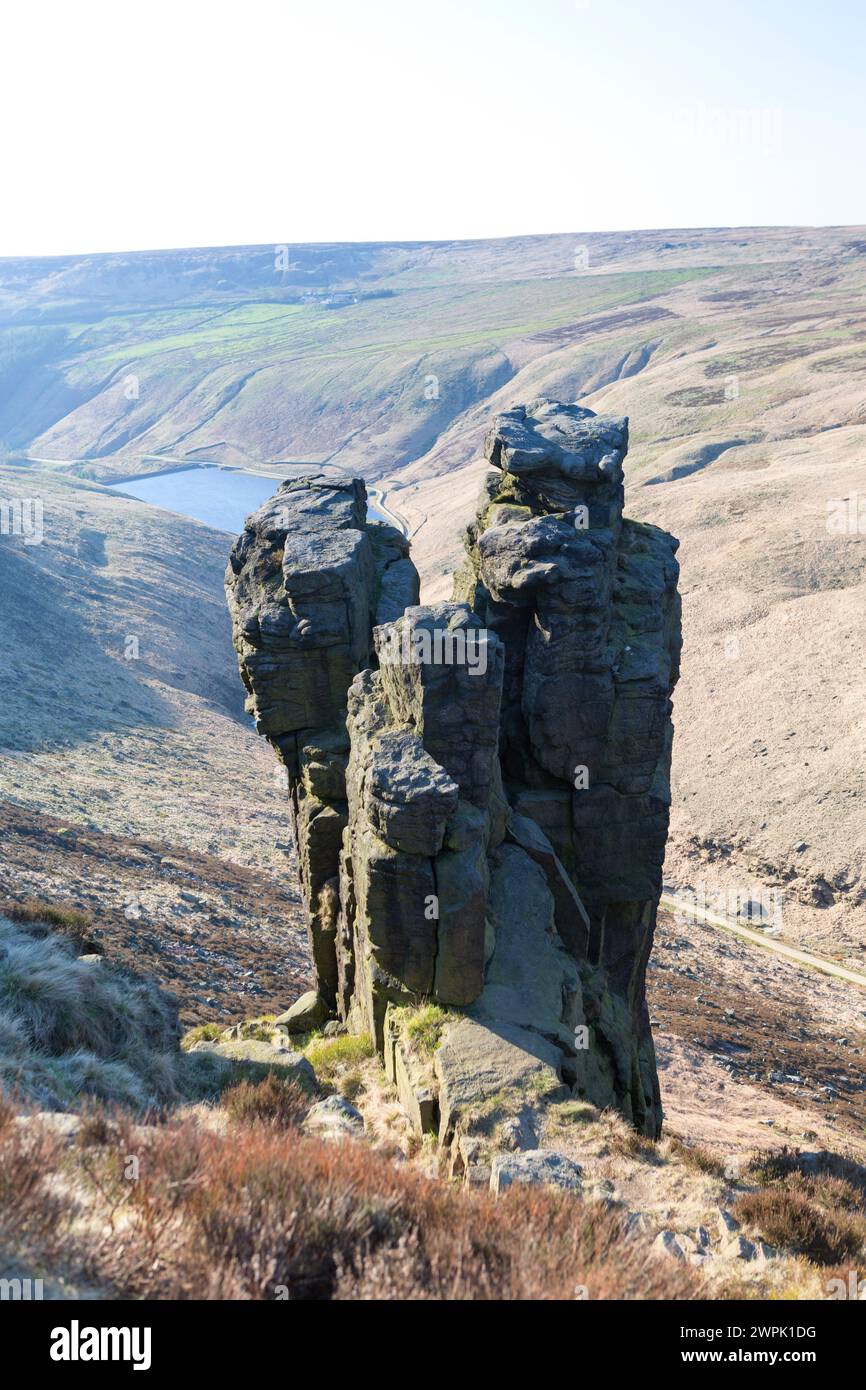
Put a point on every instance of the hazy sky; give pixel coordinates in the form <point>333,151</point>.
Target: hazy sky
<point>159,124</point>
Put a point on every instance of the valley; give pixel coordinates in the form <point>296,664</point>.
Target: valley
<point>131,783</point>
<point>736,353</point>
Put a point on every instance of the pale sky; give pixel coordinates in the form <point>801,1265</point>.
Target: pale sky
<point>166,124</point>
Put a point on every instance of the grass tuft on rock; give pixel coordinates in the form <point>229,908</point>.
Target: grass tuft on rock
<point>329,1056</point>
<point>422,1027</point>
<point>203,1032</point>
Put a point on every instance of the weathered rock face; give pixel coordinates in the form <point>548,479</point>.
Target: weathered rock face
<point>306,582</point>
<point>479,789</point>
<point>586,605</point>
<point>424,809</point>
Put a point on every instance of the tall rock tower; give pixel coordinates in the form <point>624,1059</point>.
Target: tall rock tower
<point>478,789</point>
<point>585,603</point>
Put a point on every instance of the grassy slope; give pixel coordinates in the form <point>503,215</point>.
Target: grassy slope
<point>262,381</point>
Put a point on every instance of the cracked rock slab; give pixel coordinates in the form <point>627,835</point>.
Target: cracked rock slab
<point>484,1068</point>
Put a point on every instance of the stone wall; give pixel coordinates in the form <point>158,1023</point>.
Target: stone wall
<point>478,789</point>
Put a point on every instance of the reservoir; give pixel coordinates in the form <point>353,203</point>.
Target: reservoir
<point>213,495</point>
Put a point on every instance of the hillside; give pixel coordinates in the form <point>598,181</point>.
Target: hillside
<point>131,784</point>
<point>305,353</point>
<point>738,355</point>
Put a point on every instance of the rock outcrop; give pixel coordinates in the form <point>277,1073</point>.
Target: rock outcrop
<point>478,789</point>
<point>586,604</point>
<point>306,582</point>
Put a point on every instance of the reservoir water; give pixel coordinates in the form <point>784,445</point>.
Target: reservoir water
<point>212,495</point>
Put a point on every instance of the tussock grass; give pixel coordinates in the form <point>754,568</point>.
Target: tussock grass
<point>72,1029</point>
<point>575,1112</point>
<point>423,1027</point>
<point>350,1084</point>
<point>698,1158</point>
<point>260,1029</point>
<point>627,1143</point>
<point>203,1032</point>
<point>274,1101</point>
<point>45,917</point>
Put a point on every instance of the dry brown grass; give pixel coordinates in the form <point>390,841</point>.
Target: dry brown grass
<point>263,1215</point>
<point>625,1142</point>
<point>34,1220</point>
<point>815,1206</point>
<point>791,1220</point>
<point>698,1158</point>
<point>263,1212</point>
<point>790,1166</point>
<point>274,1101</point>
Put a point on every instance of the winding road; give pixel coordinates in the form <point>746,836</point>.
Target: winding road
<point>378,497</point>
<point>758,938</point>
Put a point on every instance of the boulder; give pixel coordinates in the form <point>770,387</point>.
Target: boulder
<point>669,1244</point>
<point>306,1014</point>
<point>250,1054</point>
<point>562,455</point>
<point>486,1070</point>
<point>537,1167</point>
<point>519,1132</point>
<point>334,1119</point>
